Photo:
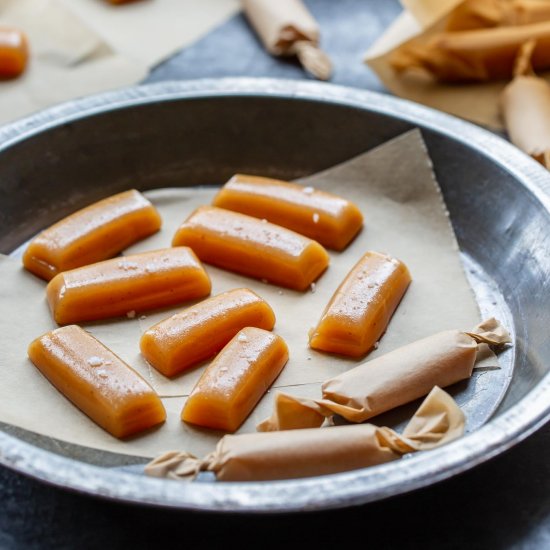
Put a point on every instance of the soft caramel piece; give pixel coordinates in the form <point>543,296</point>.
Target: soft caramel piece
<point>235,381</point>
<point>201,331</point>
<point>247,245</point>
<point>95,233</point>
<point>329,219</point>
<point>127,284</point>
<point>473,55</point>
<point>14,52</point>
<point>361,308</point>
<point>98,382</point>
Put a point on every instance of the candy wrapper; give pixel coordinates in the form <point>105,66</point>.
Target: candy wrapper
<point>391,380</point>
<point>287,28</point>
<point>525,106</point>
<point>434,48</point>
<point>311,452</point>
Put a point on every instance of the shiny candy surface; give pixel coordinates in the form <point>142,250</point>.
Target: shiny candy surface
<point>14,52</point>
<point>235,381</point>
<point>98,382</point>
<point>124,285</point>
<point>200,331</point>
<point>250,246</point>
<point>361,308</point>
<point>92,234</point>
<point>331,220</point>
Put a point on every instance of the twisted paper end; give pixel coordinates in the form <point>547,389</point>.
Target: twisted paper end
<point>178,465</point>
<point>314,60</point>
<point>490,332</point>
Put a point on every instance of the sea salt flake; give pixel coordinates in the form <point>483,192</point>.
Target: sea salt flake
<point>315,218</point>
<point>308,190</point>
<point>95,361</point>
<point>131,314</point>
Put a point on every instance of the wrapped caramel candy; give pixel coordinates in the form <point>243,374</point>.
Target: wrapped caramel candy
<point>286,28</point>
<point>390,380</point>
<point>477,14</point>
<point>305,453</point>
<point>525,104</point>
<point>473,55</point>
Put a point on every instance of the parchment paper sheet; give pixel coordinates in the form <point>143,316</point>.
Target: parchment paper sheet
<point>404,215</point>
<point>81,47</point>
<point>476,102</point>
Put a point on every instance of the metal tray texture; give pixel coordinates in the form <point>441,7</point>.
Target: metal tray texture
<point>201,132</point>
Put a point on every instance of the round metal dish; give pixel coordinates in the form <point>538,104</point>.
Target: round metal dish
<point>203,131</point>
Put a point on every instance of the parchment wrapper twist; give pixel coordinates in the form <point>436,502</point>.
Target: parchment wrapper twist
<point>314,452</point>
<point>396,378</point>
<point>287,28</point>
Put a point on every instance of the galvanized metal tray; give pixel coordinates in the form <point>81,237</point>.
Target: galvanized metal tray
<point>204,131</point>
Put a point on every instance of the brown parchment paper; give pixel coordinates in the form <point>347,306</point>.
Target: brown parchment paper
<point>81,47</point>
<point>476,102</point>
<point>394,187</point>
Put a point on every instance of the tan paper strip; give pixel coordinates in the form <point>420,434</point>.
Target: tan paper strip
<point>304,453</point>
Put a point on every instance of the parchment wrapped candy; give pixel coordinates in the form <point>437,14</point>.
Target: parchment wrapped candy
<point>305,453</point>
<point>391,380</point>
<point>525,104</point>
<point>287,28</point>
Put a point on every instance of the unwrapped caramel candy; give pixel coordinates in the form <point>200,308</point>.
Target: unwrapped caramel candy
<point>330,220</point>
<point>98,382</point>
<point>287,28</point>
<point>234,382</point>
<point>249,246</point>
<point>315,452</point>
<point>393,379</point>
<point>92,234</point>
<point>125,285</point>
<point>201,331</point>
<point>14,52</point>
<point>362,306</point>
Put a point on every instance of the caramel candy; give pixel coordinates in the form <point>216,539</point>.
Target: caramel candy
<point>474,55</point>
<point>235,381</point>
<point>329,219</point>
<point>98,382</point>
<point>127,284</point>
<point>201,331</point>
<point>247,245</point>
<point>361,308</point>
<point>95,233</point>
<point>14,52</point>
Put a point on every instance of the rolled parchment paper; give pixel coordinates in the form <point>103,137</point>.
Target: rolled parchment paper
<point>473,55</point>
<point>525,104</point>
<point>391,380</point>
<point>287,28</point>
<point>313,452</point>
<point>477,14</point>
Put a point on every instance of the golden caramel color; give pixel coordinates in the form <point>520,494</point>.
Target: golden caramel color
<point>201,331</point>
<point>14,52</point>
<point>98,382</point>
<point>126,285</point>
<point>247,245</point>
<point>361,308</point>
<point>329,219</point>
<point>235,381</point>
<point>95,233</point>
